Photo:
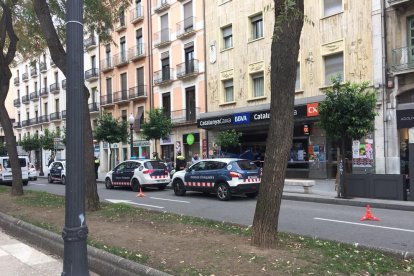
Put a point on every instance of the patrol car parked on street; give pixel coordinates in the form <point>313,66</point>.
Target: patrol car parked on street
<point>57,172</point>
<point>223,176</point>
<point>137,174</point>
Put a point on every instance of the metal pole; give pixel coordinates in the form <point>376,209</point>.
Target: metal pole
<point>132,137</point>
<point>75,231</point>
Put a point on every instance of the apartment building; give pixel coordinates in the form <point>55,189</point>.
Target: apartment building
<point>178,72</point>
<point>238,43</point>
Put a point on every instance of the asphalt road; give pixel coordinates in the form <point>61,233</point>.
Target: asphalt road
<point>395,231</point>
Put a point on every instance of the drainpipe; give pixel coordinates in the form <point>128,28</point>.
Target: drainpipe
<point>205,70</point>
<point>384,80</point>
<point>150,69</point>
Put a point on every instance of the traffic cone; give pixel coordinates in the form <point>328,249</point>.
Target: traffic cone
<point>140,193</point>
<point>368,215</point>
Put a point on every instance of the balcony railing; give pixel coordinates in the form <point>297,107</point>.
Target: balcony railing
<point>120,59</point>
<point>42,67</point>
<point>44,119</point>
<point>120,25</point>
<point>17,125</point>
<point>93,107</point>
<point>403,59</point>
<point>25,76</point>
<point>16,102</point>
<point>54,88</point>
<point>121,96</point>
<point>106,99</point>
<point>187,69</point>
<point>137,52</point>
<point>89,43</point>
<point>137,92</point>
<point>63,114</point>
<point>183,116</point>
<point>34,121</point>
<point>107,64</point>
<point>43,92</point>
<point>33,72</point>
<point>25,123</point>
<point>34,96</point>
<point>64,84</point>
<point>162,38</point>
<point>163,76</point>
<point>162,5</point>
<point>91,74</point>
<point>16,81</point>
<point>136,14</point>
<point>25,99</point>
<point>186,27</point>
<point>54,116</point>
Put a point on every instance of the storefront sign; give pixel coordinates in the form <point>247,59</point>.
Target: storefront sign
<point>213,122</point>
<point>241,118</point>
<point>306,129</point>
<point>312,110</point>
<point>405,118</point>
<point>260,116</point>
<point>142,143</point>
<point>299,111</point>
<point>166,141</point>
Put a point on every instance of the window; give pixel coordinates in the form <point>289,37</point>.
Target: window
<point>227,37</point>
<point>257,26</point>
<point>121,18</point>
<point>188,16</point>
<point>228,91</point>
<point>334,66</point>
<point>57,105</point>
<point>297,83</point>
<point>410,28</point>
<point>258,85</point>
<point>45,109</point>
<point>108,55</point>
<point>93,62</point>
<point>123,49</point>
<point>331,7</point>
<point>165,66</point>
<point>124,86</point>
<point>141,112</point>
<point>166,104</point>
<point>124,115</point>
<point>139,42</point>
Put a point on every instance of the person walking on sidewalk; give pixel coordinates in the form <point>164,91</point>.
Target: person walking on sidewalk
<point>180,162</point>
<point>97,163</point>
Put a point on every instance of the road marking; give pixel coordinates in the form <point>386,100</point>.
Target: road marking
<point>133,203</point>
<point>173,200</point>
<point>37,184</point>
<point>367,225</point>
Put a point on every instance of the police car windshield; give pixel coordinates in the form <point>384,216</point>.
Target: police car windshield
<point>246,165</point>
<point>154,165</point>
<point>22,161</point>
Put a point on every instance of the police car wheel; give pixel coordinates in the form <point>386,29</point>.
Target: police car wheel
<point>178,186</point>
<point>251,195</point>
<point>135,185</point>
<point>108,184</point>
<point>49,179</point>
<point>223,191</point>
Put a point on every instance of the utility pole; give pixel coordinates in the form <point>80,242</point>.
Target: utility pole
<point>75,232</point>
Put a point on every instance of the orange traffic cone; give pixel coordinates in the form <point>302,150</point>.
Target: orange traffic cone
<point>140,193</point>
<point>368,215</point>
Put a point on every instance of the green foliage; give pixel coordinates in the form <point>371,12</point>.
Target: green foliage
<point>228,138</point>
<point>30,143</point>
<point>46,140</point>
<point>110,130</point>
<point>157,125</point>
<point>348,110</point>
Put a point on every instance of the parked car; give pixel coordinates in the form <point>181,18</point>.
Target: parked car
<point>57,172</point>
<point>6,174</point>
<point>224,177</point>
<point>137,174</point>
<point>32,172</point>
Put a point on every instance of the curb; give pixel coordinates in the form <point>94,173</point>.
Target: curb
<point>100,262</point>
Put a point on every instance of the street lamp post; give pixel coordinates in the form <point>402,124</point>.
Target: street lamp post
<point>131,132</point>
<point>41,157</point>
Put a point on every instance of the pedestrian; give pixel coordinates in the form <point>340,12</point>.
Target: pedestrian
<point>180,162</point>
<point>97,163</point>
<point>155,156</point>
<point>51,160</point>
<point>195,158</point>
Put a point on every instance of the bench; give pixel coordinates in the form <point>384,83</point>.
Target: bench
<point>305,183</point>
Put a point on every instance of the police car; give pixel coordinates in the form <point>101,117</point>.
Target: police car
<point>224,177</point>
<point>57,172</point>
<point>137,174</point>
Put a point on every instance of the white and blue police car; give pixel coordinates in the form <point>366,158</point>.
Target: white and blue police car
<point>222,176</point>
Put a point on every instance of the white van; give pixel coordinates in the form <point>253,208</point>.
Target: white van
<point>6,175</point>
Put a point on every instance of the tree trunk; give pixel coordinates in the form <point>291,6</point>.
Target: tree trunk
<point>285,49</point>
<point>58,55</point>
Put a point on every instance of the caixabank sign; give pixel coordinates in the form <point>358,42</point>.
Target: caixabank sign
<point>247,118</point>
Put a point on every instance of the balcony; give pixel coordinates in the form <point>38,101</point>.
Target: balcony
<point>106,64</point>
<point>137,52</point>
<point>44,119</point>
<point>34,121</point>
<point>55,116</point>
<point>120,25</point>
<point>25,76</point>
<point>138,92</point>
<point>43,92</point>
<point>136,14</point>
<point>16,102</point>
<point>164,76</point>
<point>54,88</point>
<point>121,96</point>
<point>186,28</point>
<point>187,69</point>
<point>63,114</point>
<point>34,96</point>
<point>107,99</point>
<point>64,84</point>
<point>93,107</point>
<point>90,43</point>
<point>402,60</point>
<point>16,81</point>
<point>25,123</point>
<point>185,116</point>
<point>91,74</point>
<point>395,3</point>
<point>120,59</point>
<point>25,99</point>
<point>17,125</point>
<point>162,5</point>
<point>42,67</point>
<point>162,38</point>
<point>33,72</point>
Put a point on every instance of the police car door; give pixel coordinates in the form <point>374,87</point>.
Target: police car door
<point>194,175</point>
<point>117,175</point>
<point>56,170</point>
<point>129,170</point>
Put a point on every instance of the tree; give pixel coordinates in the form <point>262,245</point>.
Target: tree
<point>47,140</point>
<point>110,130</point>
<point>228,138</point>
<point>348,112</point>
<point>157,126</point>
<point>284,55</point>
<point>30,143</point>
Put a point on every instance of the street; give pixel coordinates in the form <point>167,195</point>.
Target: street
<point>395,231</point>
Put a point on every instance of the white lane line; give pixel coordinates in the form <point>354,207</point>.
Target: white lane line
<point>367,225</point>
<point>147,205</point>
<point>133,203</point>
<point>37,184</point>
<point>173,200</point>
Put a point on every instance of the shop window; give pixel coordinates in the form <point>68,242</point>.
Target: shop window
<point>258,85</point>
<point>227,33</point>
<point>331,7</point>
<point>297,83</point>
<point>334,66</point>
<point>228,91</point>
<point>256,24</point>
